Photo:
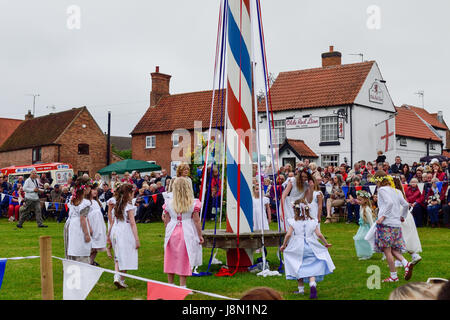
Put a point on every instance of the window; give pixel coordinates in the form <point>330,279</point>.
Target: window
<point>432,146</point>
<point>37,154</point>
<point>329,129</point>
<point>150,142</point>
<point>403,142</point>
<point>83,149</point>
<point>330,160</point>
<point>176,140</point>
<point>279,133</point>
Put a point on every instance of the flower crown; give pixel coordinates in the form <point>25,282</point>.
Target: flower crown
<point>363,194</point>
<point>300,206</point>
<point>381,179</point>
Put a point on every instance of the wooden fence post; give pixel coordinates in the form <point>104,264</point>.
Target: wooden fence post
<point>45,244</point>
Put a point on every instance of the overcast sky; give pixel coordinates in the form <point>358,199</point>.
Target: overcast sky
<point>106,64</point>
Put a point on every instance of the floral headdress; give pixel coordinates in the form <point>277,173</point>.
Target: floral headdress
<point>363,194</point>
<point>381,179</point>
<point>301,206</point>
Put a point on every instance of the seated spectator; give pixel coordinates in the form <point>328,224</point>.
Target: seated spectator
<point>143,203</point>
<point>127,178</point>
<point>416,201</point>
<point>381,158</point>
<point>159,187</point>
<point>314,171</point>
<point>437,172</point>
<point>275,199</point>
<point>406,171</point>
<point>15,203</point>
<point>65,198</point>
<point>419,175</point>
<point>19,181</point>
<point>446,208</point>
<point>433,199</point>
<point>337,196</point>
<point>353,207</point>
<point>343,171</point>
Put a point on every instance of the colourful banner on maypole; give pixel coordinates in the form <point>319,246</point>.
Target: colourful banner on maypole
<point>239,118</point>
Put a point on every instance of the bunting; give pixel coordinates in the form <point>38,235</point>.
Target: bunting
<point>2,270</point>
<point>372,189</point>
<point>156,291</point>
<point>79,279</point>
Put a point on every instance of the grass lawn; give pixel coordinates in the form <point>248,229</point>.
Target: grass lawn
<point>348,282</point>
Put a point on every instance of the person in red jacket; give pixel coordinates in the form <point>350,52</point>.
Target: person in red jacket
<point>437,172</point>
<point>416,201</point>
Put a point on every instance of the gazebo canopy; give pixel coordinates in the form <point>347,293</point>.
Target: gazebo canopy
<point>129,165</point>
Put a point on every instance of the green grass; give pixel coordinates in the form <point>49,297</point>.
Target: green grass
<point>348,282</point>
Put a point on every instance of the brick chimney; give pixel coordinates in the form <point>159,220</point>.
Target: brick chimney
<point>160,86</point>
<point>29,116</point>
<point>332,58</point>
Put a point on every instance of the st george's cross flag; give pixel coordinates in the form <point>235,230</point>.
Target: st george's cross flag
<point>385,133</point>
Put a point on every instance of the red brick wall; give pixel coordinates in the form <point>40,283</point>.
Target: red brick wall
<point>162,154</point>
<point>74,135</point>
<point>25,157</point>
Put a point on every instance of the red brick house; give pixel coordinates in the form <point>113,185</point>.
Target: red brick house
<point>71,136</point>
<point>153,138</point>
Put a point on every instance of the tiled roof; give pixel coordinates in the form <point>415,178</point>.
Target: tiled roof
<point>121,143</point>
<point>300,147</point>
<point>180,111</point>
<point>408,124</point>
<point>40,131</point>
<point>7,127</point>
<point>319,87</point>
<point>446,154</point>
<point>431,118</point>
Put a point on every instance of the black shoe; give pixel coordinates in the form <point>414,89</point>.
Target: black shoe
<point>95,264</point>
<point>19,226</point>
<point>42,226</point>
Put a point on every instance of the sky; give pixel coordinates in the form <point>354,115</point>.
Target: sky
<point>103,60</point>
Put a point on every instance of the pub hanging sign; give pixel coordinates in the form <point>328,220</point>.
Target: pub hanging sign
<point>303,123</point>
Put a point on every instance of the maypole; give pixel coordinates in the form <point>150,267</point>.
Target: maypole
<point>239,127</point>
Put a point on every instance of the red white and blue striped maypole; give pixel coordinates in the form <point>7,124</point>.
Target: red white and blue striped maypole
<point>239,124</point>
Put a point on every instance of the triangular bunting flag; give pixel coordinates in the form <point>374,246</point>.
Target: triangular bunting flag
<point>133,202</point>
<point>56,206</point>
<point>358,188</point>
<point>329,188</point>
<point>439,186</point>
<point>421,186</point>
<point>345,189</point>
<point>67,207</point>
<point>154,196</point>
<point>2,270</point>
<point>156,291</point>
<point>265,189</point>
<point>146,200</point>
<point>372,189</point>
<point>46,205</point>
<point>104,206</point>
<point>79,279</point>
<point>3,196</point>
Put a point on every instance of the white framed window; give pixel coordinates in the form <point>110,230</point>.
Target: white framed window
<point>279,133</point>
<point>432,146</point>
<point>330,160</point>
<point>175,140</point>
<point>150,142</point>
<point>329,129</point>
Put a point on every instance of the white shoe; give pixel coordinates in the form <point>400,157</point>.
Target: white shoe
<point>117,281</point>
<point>416,260</point>
<point>123,284</point>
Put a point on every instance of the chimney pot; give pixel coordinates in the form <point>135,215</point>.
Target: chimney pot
<point>29,115</point>
<point>331,58</point>
<point>157,69</point>
<point>160,86</point>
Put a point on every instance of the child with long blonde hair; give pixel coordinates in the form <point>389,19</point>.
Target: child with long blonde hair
<point>366,220</point>
<point>183,240</point>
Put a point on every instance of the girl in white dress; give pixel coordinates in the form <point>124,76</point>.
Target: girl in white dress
<point>306,260</point>
<point>297,188</point>
<point>97,224</point>
<point>124,235</point>
<point>77,231</point>
<point>111,203</point>
<point>261,220</point>
<point>183,240</point>
<point>316,204</point>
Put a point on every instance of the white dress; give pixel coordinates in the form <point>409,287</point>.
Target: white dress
<point>111,203</point>
<point>410,235</point>
<point>260,218</point>
<point>98,226</point>
<point>73,233</point>
<point>123,241</point>
<point>314,206</point>
<point>304,233</point>
<point>294,195</point>
<point>191,238</point>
